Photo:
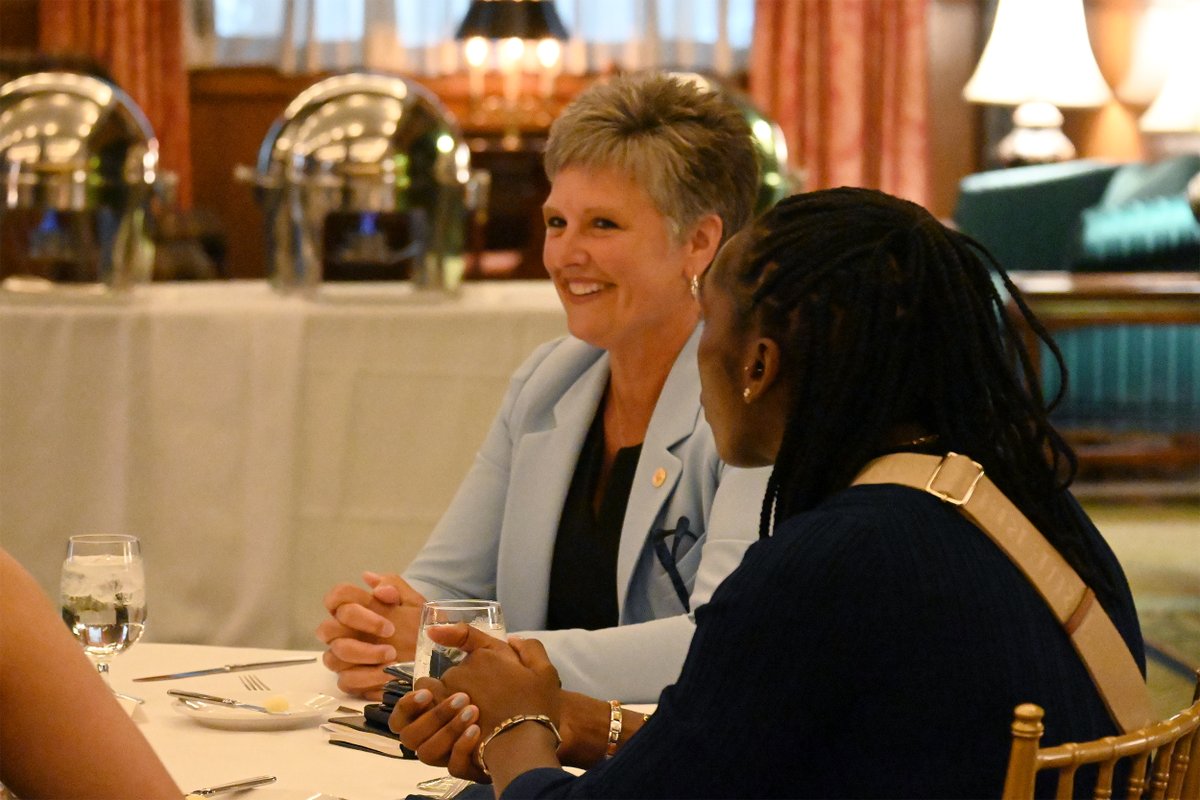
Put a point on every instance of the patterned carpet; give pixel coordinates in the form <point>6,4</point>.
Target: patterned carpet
<point>1171,628</point>
<point>1159,547</point>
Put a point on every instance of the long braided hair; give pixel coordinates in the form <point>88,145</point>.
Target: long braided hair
<point>885,317</point>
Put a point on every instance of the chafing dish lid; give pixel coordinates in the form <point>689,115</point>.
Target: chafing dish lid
<point>57,126</point>
<point>770,146</point>
<point>364,127</point>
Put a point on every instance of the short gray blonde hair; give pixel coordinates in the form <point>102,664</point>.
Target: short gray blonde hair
<point>689,147</point>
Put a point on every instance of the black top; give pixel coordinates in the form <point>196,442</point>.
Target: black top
<point>583,574</point>
<point>874,646</point>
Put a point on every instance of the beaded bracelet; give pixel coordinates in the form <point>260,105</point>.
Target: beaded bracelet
<point>513,722</point>
<point>614,728</point>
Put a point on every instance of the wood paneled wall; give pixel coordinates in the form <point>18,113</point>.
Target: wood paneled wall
<point>231,113</point>
<point>1110,132</point>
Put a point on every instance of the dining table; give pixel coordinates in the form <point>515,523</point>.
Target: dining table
<point>200,752</point>
<point>302,759</point>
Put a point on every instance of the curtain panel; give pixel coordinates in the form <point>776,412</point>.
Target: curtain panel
<point>847,82</point>
<point>140,44</point>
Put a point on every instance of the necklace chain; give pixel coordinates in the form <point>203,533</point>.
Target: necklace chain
<point>920,440</point>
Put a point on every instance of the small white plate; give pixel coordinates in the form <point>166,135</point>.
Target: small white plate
<point>303,709</point>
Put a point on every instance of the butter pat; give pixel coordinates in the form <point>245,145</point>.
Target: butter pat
<point>276,703</point>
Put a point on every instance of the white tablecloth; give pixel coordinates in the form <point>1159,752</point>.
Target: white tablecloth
<point>262,447</point>
<point>303,760</point>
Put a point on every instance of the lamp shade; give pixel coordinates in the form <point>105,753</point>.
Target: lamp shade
<point>505,19</point>
<point>1166,29</point>
<point>1038,51</point>
<point>1177,107</point>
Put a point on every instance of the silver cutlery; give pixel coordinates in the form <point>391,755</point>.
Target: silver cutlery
<point>227,668</point>
<point>223,701</point>
<point>254,683</point>
<point>444,788</point>
<point>235,786</point>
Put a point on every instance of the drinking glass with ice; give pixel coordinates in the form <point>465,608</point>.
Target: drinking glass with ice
<point>103,593</point>
<point>433,659</point>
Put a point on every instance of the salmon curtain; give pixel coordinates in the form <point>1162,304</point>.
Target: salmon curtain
<point>141,44</point>
<point>846,81</point>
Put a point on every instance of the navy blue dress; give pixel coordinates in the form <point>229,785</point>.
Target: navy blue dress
<point>872,647</point>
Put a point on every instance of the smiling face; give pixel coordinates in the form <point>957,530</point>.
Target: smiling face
<point>621,273</point>
<point>733,357</point>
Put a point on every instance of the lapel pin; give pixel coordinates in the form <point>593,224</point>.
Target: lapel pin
<point>659,478</point>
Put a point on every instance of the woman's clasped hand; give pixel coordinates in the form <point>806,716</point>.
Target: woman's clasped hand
<point>445,720</point>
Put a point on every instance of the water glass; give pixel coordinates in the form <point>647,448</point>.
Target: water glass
<point>103,594</point>
<point>433,659</point>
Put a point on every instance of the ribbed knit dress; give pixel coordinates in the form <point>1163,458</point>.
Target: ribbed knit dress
<point>872,647</point>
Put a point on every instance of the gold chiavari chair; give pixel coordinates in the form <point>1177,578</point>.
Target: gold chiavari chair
<point>1163,758</point>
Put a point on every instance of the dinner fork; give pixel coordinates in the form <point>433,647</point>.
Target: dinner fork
<point>254,683</point>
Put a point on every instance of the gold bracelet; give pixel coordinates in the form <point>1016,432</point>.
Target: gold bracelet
<point>513,722</point>
<point>614,728</point>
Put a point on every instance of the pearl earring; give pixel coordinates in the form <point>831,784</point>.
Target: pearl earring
<point>746,394</point>
<point>694,286</point>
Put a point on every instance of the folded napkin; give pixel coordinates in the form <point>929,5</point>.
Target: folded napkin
<point>128,703</point>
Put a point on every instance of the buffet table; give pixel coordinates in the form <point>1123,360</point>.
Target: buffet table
<point>263,447</point>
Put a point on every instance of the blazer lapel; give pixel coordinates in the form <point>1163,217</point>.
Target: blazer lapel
<point>674,419</point>
<point>543,466</point>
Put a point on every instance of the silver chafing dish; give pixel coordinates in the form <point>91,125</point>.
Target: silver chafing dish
<point>776,180</point>
<point>78,162</point>
<point>364,177</point>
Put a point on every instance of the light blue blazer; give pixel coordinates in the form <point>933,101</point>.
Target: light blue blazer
<point>496,540</point>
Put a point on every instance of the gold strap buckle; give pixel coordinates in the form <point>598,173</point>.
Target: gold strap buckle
<point>958,476</point>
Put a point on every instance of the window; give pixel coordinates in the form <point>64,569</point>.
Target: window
<point>416,35</point>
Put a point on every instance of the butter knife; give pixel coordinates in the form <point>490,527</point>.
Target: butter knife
<point>236,786</point>
<point>221,701</point>
<point>227,668</point>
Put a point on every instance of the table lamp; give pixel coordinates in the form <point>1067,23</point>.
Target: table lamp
<point>1176,113</point>
<point>1176,109</point>
<point>1038,59</point>
<point>510,35</point>
<point>1162,32</point>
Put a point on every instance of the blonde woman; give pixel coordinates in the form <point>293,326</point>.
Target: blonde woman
<point>598,510</point>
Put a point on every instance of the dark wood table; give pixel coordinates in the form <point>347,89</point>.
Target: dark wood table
<point>1066,300</point>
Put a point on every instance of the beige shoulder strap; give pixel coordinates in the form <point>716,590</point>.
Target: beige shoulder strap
<point>960,481</point>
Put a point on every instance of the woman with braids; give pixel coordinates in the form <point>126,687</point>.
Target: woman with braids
<point>873,642</point>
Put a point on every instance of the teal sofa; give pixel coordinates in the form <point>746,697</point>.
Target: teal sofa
<point>1092,216</point>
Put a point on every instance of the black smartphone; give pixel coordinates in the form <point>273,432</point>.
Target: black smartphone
<point>393,691</point>
<point>403,670</point>
<point>388,743</point>
<point>376,715</point>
